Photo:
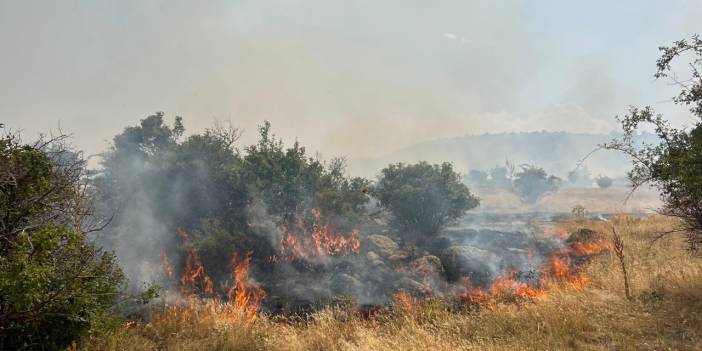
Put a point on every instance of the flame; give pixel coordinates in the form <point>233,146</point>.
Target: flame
<point>558,268</point>
<point>504,288</point>
<point>403,301</point>
<point>193,278</point>
<point>589,249</point>
<point>166,265</point>
<point>322,240</point>
<point>245,298</point>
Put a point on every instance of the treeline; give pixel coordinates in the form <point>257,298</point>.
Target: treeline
<point>531,182</point>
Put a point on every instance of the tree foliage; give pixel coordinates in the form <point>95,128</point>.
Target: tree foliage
<point>54,283</point>
<point>156,180</point>
<point>423,198</point>
<point>532,182</point>
<point>674,166</point>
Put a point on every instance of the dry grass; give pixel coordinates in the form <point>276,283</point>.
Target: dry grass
<point>611,200</point>
<point>665,313</point>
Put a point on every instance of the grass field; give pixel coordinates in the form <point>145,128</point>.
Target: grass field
<point>665,313</point>
<point>595,200</point>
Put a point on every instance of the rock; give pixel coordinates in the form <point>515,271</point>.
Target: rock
<point>412,287</point>
<point>347,284</point>
<point>426,265</point>
<point>476,264</point>
<point>437,245</point>
<point>385,247</point>
<point>374,259</point>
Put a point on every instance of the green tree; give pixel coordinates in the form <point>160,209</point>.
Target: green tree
<point>54,283</point>
<point>422,198</point>
<point>532,182</point>
<point>154,180</point>
<point>674,166</point>
<point>291,182</point>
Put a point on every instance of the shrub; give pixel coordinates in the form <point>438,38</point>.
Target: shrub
<point>54,284</point>
<point>423,198</point>
<point>532,182</point>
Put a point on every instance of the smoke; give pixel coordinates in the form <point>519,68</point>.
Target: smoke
<point>359,79</point>
<point>356,78</point>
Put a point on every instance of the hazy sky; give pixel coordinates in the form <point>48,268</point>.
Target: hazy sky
<point>359,78</point>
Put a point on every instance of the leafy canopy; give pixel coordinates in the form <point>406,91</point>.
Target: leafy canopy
<point>423,198</point>
<point>674,166</point>
<point>532,182</point>
<point>55,285</point>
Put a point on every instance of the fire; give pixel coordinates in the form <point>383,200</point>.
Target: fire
<point>588,249</point>
<point>560,268</point>
<point>322,240</point>
<point>166,265</point>
<point>403,301</point>
<point>245,297</point>
<point>193,279</point>
<point>505,288</point>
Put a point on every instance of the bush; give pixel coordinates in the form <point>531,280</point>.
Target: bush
<point>54,284</point>
<point>423,198</point>
<point>532,182</point>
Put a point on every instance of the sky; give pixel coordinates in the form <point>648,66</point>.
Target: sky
<point>354,78</point>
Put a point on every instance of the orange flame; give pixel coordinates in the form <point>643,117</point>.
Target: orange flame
<point>403,301</point>
<point>193,277</point>
<point>245,297</point>
<point>589,249</point>
<point>558,268</point>
<point>297,242</point>
<point>503,288</point>
<point>166,265</point>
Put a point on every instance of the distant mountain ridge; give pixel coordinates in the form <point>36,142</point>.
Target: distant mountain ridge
<point>556,152</point>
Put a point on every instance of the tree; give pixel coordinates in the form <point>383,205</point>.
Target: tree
<point>501,177</point>
<point>154,181</point>
<point>291,182</point>
<point>54,283</point>
<point>580,177</point>
<point>422,198</point>
<point>674,166</point>
<point>603,182</point>
<point>532,182</point>
<point>478,178</point>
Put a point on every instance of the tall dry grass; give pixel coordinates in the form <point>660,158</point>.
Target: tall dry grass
<point>664,314</point>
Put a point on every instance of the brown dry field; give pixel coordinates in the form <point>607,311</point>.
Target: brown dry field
<point>595,200</point>
<point>665,313</point>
